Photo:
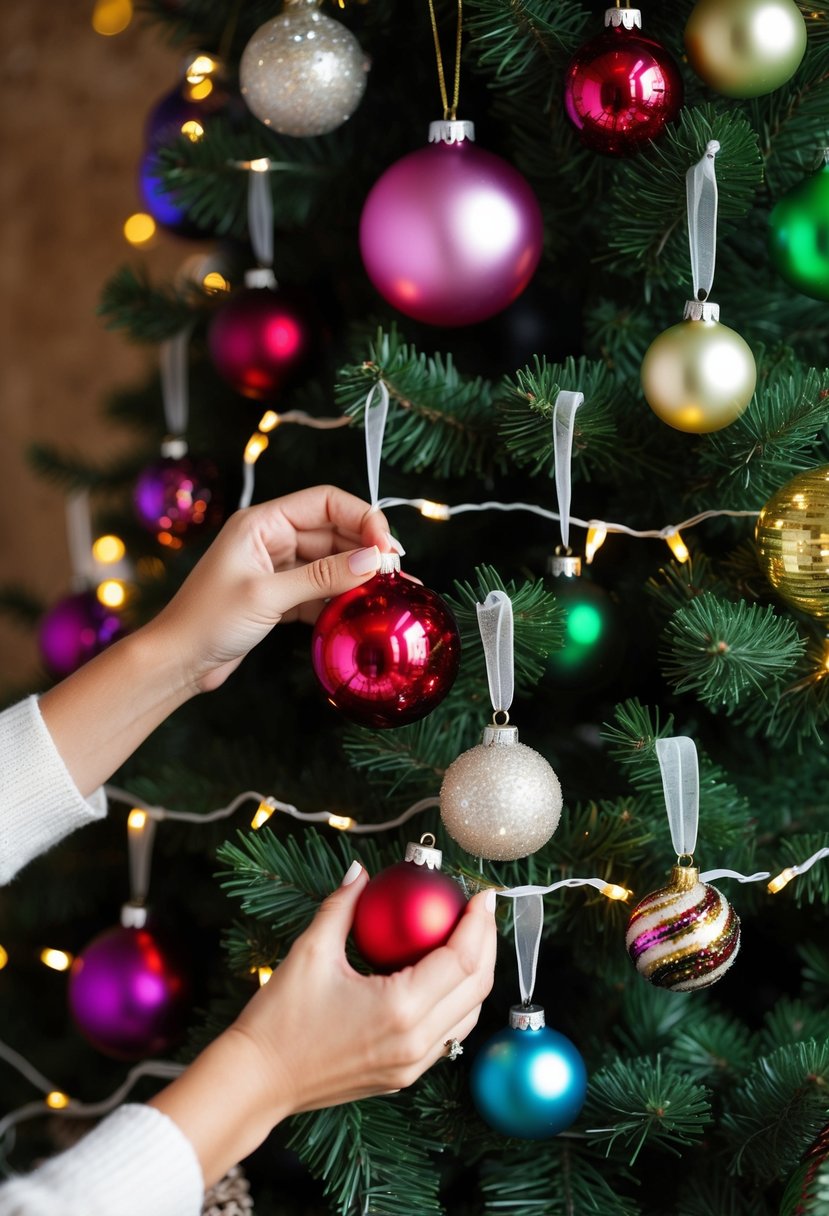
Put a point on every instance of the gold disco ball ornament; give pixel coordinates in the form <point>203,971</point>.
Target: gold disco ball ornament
<point>699,376</point>
<point>745,48</point>
<point>793,542</point>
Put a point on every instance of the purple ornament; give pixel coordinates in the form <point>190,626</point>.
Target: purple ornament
<point>177,496</point>
<point>451,234</point>
<point>75,629</point>
<point>129,993</point>
<point>261,338</point>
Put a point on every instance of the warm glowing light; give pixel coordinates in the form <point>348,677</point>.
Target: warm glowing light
<point>56,1099</point>
<point>612,891</point>
<point>108,549</point>
<point>255,447</point>
<point>269,421</point>
<point>111,593</point>
<point>261,165</point>
<point>111,16</point>
<point>57,960</point>
<point>677,546</point>
<point>193,130</point>
<point>198,92</point>
<point>150,567</point>
<point>782,879</point>
<point>4,957</point>
<point>434,510</point>
<point>264,974</point>
<point>201,66</point>
<point>596,536</point>
<point>137,819</point>
<point>343,822</point>
<point>139,228</point>
<point>215,282</point>
<point>263,814</point>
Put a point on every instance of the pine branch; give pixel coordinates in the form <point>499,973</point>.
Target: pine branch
<point>646,1104</point>
<point>791,1021</point>
<point>519,45</point>
<point>442,422</point>
<point>792,121</point>
<point>679,583</point>
<point>723,651</point>
<point>815,971</point>
<point>250,945</point>
<point>651,1018</point>
<point>146,313</point>
<point>800,710</point>
<point>813,886</point>
<point>525,1182</point>
<point>715,1049</point>
<point>778,1110</point>
<point>714,1195</point>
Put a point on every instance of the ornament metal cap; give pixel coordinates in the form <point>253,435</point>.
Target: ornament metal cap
<point>174,446</point>
<point>526,1017</point>
<point>564,565</point>
<point>133,915</point>
<point>701,310</point>
<point>389,563</point>
<point>260,276</point>
<point>630,18</point>
<point>684,877</point>
<point>451,131</point>
<point>498,734</point>
<point>424,853</point>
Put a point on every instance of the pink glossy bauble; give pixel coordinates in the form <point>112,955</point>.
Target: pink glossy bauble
<point>387,652</point>
<point>620,90</point>
<point>405,912</point>
<point>260,339</point>
<point>129,993</point>
<point>178,496</point>
<point>451,234</point>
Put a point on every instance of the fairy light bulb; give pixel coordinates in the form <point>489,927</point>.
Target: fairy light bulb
<point>262,815</point>
<point>139,228</point>
<point>4,957</point>
<point>264,974</point>
<point>56,960</point>
<point>596,536</point>
<point>343,823</point>
<point>108,550</point>
<point>256,445</point>
<point>56,1099</point>
<point>434,510</point>
<point>111,593</point>
<point>782,880</point>
<point>269,421</point>
<point>677,546</point>
<point>611,891</point>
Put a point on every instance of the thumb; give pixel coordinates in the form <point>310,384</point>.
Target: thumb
<point>323,578</point>
<point>333,921</point>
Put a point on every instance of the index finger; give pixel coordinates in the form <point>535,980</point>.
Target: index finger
<point>321,506</point>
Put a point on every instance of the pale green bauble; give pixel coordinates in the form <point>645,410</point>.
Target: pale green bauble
<point>698,376</point>
<point>745,48</point>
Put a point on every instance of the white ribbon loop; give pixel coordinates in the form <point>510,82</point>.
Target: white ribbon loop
<point>375,424</point>
<point>529,921</point>
<point>564,424</point>
<point>140,838</point>
<point>680,781</point>
<point>701,197</point>
<point>79,539</point>
<point>173,357</point>
<point>496,626</point>
<point>260,216</point>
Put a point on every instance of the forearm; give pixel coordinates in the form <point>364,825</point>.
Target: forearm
<point>100,714</point>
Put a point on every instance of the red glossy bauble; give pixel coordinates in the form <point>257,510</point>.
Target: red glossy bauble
<point>620,90</point>
<point>405,912</point>
<point>387,652</point>
<point>261,338</point>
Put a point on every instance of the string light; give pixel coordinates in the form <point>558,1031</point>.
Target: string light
<point>201,66</point>
<point>111,593</point>
<point>269,421</point>
<point>782,880</point>
<point>677,545</point>
<point>215,282</point>
<point>263,814</point>
<point>137,819</point>
<point>56,1099</point>
<point>56,960</point>
<point>258,442</point>
<point>4,957</point>
<point>111,17</point>
<point>596,536</point>
<point>193,130</point>
<point>108,550</point>
<point>264,974</point>
<point>139,228</point>
<point>434,510</point>
<point>611,891</point>
<point>256,445</point>
<point>343,823</point>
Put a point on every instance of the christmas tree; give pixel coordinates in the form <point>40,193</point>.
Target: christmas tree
<point>539,360</point>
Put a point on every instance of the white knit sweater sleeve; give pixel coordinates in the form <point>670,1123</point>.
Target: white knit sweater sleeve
<point>39,802</point>
<point>136,1163</point>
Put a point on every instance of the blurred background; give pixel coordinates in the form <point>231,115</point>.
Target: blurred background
<point>74,102</point>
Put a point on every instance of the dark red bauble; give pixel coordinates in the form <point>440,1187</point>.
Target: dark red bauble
<point>129,993</point>
<point>405,912</point>
<point>178,496</point>
<point>620,90</point>
<point>261,338</point>
<point>387,652</point>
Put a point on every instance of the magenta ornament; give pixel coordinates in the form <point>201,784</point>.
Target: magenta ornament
<point>451,234</point>
<point>177,496</point>
<point>261,338</point>
<point>74,630</point>
<point>129,993</point>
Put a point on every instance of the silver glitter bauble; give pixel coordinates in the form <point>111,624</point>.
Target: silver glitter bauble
<point>303,73</point>
<point>501,799</point>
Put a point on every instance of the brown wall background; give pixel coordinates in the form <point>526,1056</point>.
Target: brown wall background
<point>73,106</point>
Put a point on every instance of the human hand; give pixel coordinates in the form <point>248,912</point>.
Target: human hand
<point>269,563</point>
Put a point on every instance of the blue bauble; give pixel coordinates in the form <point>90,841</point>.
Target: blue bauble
<point>530,1083</point>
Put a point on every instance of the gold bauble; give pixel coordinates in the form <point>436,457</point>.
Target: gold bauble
<point>744,48</point>
<point>793,542</point>
<point>698,376</point>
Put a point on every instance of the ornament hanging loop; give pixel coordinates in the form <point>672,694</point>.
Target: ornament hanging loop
<point>375,428</point>
<point>679,766</point>
<point>685,861</point>
<point>450,111</point>
<point>701,199</point>
<point>564,423</point>
<point>500,717</point>
<point>495,623</point>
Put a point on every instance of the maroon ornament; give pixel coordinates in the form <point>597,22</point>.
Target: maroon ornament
<point>261,338</point>
<point>621,88</point>
<point>74,630</point>
<point>387,652</point>
<point>129,993</point>
<point>407,910</point>
<point>177,496</point>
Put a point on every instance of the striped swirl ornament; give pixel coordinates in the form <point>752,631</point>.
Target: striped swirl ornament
<point>683,936</point>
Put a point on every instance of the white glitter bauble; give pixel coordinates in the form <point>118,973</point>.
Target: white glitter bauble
<point>500,800</point>
<point>303,73</point>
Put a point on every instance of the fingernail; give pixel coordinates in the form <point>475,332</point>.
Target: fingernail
<point>352,873</point>
<point>364,561</point>
<point>395,545</point>
<point>489,902</point>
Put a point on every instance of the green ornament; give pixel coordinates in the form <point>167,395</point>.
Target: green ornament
<point>592,649</point>
<point>799,236</point>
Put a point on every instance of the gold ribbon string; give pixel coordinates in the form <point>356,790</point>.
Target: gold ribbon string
<point>449,111</point>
